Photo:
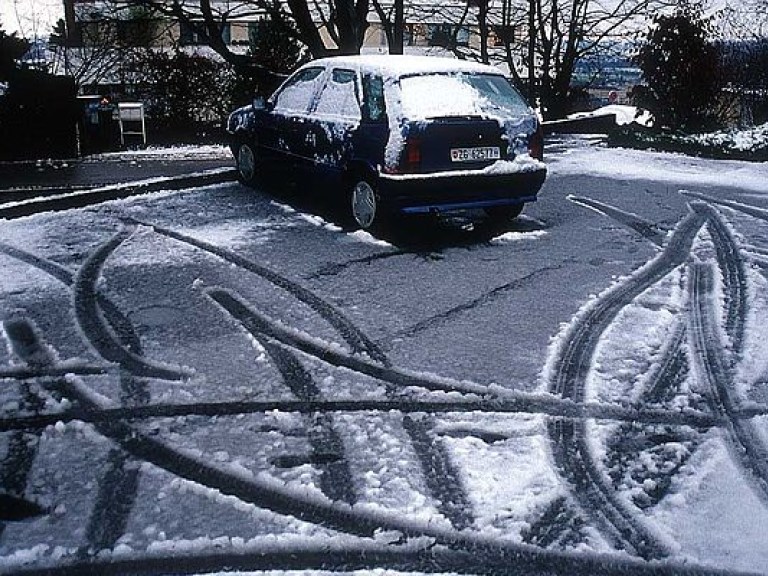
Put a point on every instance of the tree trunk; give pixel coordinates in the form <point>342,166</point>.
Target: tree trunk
<point>532,52</point>
<point>482,21</point>
<point>398,29</point>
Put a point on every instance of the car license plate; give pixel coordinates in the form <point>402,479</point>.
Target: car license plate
<point>475,154</point>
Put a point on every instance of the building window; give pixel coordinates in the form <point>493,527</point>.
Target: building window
<point>414,35</point>
<point>447,35</point>
<point>255,29</point>
<point>190,35</point>
<point>138,32</point>
<point>502,35</point>
<point>195,34</point>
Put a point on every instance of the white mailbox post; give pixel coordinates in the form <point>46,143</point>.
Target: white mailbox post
<point>131,118</point>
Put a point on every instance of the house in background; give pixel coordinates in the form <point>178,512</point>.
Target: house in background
<point>100,35</point>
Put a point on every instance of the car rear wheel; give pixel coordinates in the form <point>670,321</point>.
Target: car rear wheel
<point>503,214</point>
<point>365,205</point>
<point>246,163</point>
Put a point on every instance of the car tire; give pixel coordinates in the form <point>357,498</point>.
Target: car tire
<point>503,214</point>
<point>365,208</point>
<point>246,161</point>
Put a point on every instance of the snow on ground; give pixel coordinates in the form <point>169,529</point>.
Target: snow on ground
<point>704,496</point>
<point>187,152</point>
<point>260,304</point>
<point>679,169</point>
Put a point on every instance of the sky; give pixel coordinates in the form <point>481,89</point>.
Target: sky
<point>30,18</point>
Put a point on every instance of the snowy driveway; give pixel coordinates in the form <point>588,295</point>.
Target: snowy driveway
<point>211,379</point>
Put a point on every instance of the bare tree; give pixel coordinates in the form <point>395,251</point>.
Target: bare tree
<point>567,32</point>
<point>541,41</point>
<point>747,19</point>
<point>344,21</point>
<point>95,47</point>
<point>392,19</point>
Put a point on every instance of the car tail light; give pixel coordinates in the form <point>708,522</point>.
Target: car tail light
<point>412,155</point>
<point>536,144</point>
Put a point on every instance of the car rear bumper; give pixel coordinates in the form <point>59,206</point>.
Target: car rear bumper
<point>431,193</point>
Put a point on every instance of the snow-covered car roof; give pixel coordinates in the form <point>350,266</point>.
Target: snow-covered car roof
<point>404,65</point>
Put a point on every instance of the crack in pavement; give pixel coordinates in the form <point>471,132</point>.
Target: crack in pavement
<point>448,315</point>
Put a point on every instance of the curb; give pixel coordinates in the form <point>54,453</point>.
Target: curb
<point>87,197</point>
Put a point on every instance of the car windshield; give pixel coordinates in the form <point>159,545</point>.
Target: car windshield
<point>437,95</point>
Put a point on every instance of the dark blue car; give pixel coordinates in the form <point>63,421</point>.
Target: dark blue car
<point>396,134</point>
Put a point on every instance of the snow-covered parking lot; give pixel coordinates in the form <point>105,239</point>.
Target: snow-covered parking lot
<point>217,379</point>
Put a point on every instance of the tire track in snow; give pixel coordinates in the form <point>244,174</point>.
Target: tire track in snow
<point>555,525</point>
<point>754,211</point>
<point>115,499</point>
<point>568,565</point>
<point>560,409</point>
<point>497,554</point>
<point>117,320</point>
<point>670,370</point>
<point>665,380</point>
<point>259,324</point>
<point>646,229</point>
<point>327,447</point>
<point>717,368</point>
<point>118,486</point>
<point>451,496</point>
<point>353,558</point>
<point>440,475</point>
<point>569,439</point>
<point>96,330</point>
<point>22,449</point>
<point>717,375</point>
<point>359,342</point>
<point>734,278</point>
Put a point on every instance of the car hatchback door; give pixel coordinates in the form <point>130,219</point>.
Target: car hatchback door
<point>465,121</point>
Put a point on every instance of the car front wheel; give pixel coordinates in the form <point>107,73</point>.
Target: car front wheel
<point>246,164</point>
<point>365,206</point>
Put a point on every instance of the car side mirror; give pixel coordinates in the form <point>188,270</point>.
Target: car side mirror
<point>259,103</point>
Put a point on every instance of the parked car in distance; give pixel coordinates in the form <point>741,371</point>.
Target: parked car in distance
<point>395,134</point>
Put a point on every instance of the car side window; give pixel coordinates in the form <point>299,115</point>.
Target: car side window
<point>339,97</point>
<point>374,108</point>
<point>296,94</point>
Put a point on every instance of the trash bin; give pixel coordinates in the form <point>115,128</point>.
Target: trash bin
<point>100,130</point>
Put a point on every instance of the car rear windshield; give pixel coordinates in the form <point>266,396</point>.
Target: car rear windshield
<point>463,94</point>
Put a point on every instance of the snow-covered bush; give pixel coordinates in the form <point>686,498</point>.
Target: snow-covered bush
<point>750,144</point>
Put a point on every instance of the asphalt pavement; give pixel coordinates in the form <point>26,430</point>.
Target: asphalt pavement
<point>28,187</point>
<point>24,178</point>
